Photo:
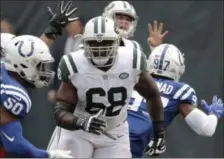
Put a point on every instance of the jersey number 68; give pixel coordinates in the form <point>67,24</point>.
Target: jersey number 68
<point>116,104</point>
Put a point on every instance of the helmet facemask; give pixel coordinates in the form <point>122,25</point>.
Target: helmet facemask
<point>101,52</point>
<point>45,75</point>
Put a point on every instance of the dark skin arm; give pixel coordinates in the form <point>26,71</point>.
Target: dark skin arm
<point>6,117</point>
<point>66,99</point>
<point>185,109</point>
<point>147,88</point>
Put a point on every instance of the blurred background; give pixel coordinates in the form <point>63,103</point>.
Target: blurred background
<point>196,27</point>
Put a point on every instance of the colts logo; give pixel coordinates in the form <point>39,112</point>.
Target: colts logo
<point>31,50</point>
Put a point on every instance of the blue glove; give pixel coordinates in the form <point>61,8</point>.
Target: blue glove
<point>215,108</point>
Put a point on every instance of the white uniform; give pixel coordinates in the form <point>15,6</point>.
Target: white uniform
<point>110,91</point>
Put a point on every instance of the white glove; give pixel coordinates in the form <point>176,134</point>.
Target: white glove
<point>60,154</point>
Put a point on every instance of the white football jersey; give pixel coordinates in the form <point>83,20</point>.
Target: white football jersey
<point>110,90</point>
<point>131,44</point>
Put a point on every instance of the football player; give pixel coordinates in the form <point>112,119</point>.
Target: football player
<point>26,63</point>
<point>126,20</point>
<point>97,83</point>
<point>166,65</point>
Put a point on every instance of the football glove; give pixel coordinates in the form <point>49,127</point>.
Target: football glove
<point>215,108</point>
<point>93,124</point>
<point>156,146</point>
<point>58,20</point>
<point>59,154</point>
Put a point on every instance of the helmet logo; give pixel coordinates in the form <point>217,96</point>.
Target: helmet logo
<point>99,37</point>
<point>31,49</point>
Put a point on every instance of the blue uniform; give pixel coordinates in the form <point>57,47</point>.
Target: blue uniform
<point>140,125</point>
<point>16,101</point>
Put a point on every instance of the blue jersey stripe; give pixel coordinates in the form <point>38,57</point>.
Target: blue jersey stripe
<point>162,57</point>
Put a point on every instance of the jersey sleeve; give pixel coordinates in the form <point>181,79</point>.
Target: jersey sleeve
<point>186,94</point>
<point>139,61</point>
<point>137,45</point>
<point>66,68</point>
<point>15,100</point>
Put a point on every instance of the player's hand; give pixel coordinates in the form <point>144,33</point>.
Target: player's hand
<point>93,124</point>
<point>215,108</point>
<point>63,16</point>
<point>156,146</point>
<point>156,34</point>
<point>60,154</point>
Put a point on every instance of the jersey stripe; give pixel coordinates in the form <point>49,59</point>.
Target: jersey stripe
<point>17,89</point>
<point>138,59</point>
<point>68,64</point>
<point>135,52</point>
<point>136,45</point>
<point>162,57</point>
<point>187,94</point>
<point>16,94</point>
<point>180,91</point>
<point>144,64</point>
<point>72,62</point>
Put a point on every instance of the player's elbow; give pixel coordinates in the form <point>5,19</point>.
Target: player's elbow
<point>209,126</point>
<point>202,124</point>
<point>207,131</point>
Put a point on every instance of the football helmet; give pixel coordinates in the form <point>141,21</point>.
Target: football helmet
<point>101,41</point>
<point>5,38</point>
<point>166,60</point>
<point>30,58</point>
<point>126,27</point>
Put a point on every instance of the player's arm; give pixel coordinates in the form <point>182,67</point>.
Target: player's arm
<point>58,21</point>
<point>203,124</point>
<point>14,107</point>
<point>66,100</point>
<point>11,130</point>
<point>14,142</point>
<point>149,90</point>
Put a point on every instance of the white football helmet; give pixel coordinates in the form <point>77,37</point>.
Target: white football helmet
<point>101,41</point>
<point>123,8</point>
<point>5,38</point>
<point>166,60</point>
<point>30,57</point>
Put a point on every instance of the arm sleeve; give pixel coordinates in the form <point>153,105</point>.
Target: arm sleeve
<point>14,142</point>
<point>202,124</point>
<point>63,115</point>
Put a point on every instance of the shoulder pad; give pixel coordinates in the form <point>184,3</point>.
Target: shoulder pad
<point>185,93</point>
<point>139,60</point>
<point>66,67</point>
<point>137,45</point>
<point>15,100</point>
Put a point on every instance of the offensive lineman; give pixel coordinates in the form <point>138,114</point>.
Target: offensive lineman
<point>97,83</point>
<point>25,65</point>
<point>166,65</point>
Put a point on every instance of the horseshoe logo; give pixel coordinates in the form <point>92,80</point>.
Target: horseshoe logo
<point>31,50</point>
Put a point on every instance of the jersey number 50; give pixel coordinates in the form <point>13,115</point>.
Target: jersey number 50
<point>116,105</point>
<point>13,106</point>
